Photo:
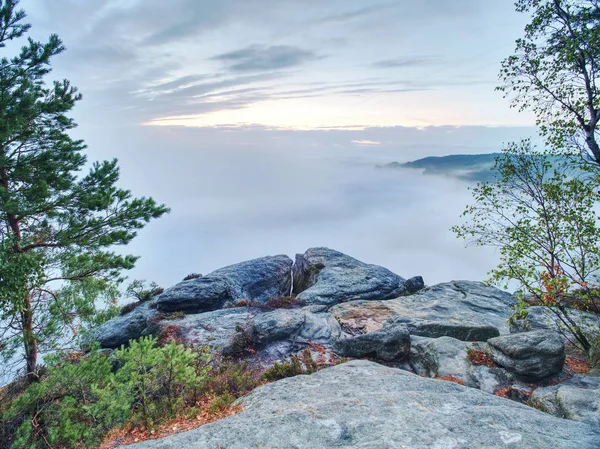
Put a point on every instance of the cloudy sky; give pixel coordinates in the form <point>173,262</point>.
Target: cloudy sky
<point>259,122</point>
<point>300,64</point>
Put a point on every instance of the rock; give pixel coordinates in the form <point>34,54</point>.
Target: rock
<point>364,405</point>
<point>255,280</point>
<point>414,284</point>
<point>215,329</point>
<point>532,355</point>
<point>119,330</point>
<point>277,325</point>
<point>325,276</point>
<point>469,311</point>
<point>446,356</point>
<point>577,399</point>
<point>209,292</point>
<point>540,317</point>
<point>390,343</point>
<point>259,279</point>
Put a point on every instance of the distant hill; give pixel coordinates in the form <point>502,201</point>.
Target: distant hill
<point>468,167</point>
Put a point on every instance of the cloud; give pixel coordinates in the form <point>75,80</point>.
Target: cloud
<point>351,15</point>
<point>366,143</point>
<point>403,62</point>
<point>260,57</point>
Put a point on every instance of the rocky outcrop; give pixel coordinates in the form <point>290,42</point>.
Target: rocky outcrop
<point>325,276</point>
<point>531,355</point>
<point>468,311</point>
<point>390,343</point>
<point>361,404</point>
<point>254,280</point>
<point>577,399</point>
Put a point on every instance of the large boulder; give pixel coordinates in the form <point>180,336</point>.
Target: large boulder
<point>390,343</point>
<point>256,280</point>
<point>325,276</point>
<point>119,330</point>
<point>531,355</point>
<point>468,311</point>
<point>364,405</point>
<point>578,399</point>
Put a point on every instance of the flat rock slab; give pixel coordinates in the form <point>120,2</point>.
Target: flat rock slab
<point>532,355</point>
<point>255,280</point>
<point>364,405</point>
<point>468,311</point>
<point>325,276</point>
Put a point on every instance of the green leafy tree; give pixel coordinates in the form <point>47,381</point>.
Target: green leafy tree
<point>540,214</point>
<point>57,225</point>
<point>554,73</point>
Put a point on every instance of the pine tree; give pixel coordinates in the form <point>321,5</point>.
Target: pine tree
<point>57,225</point>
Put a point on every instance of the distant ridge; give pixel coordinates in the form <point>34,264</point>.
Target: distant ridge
<point>467,167</point>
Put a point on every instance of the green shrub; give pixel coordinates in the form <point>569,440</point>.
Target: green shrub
<point>295,366</point>
<point>78,402</point>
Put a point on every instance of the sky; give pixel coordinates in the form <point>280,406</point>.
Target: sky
<point>260,122</point>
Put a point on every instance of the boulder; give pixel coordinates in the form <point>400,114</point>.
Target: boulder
<point>255,280</point>
<point>446,356</point>
<point>325,276</point>
<point>578,399</point>
<point>469,311</point>
<point>209,292</point>
<point>277,325</point>
<point>531,355</point>
<point>215,329</point>
<point>364,405</point>
<point>390,343</point>
<point>119,330</point>
<point>259,279</point>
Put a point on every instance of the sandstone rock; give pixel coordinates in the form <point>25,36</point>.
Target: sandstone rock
<point>577,399</point>
<point>214,329</point>
<point>540,317</point>
<point>255,280</point>
<point>277,325</point>
<point>533,355</point>
<point>364,405</point>
<point>391,343</point>
<point>119,330</point>
<point>325,276</point>
<point>446,356</point>
<point>464,310</point>
<point>259,279</point>
<point>209,292</point>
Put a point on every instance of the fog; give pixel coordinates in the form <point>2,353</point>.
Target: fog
<point>240,194</point>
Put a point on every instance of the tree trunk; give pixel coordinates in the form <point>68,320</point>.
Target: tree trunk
<point>593,146</point>
<point>29,340</point>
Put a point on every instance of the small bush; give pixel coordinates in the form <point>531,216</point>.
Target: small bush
<point>138,290</point>
<point>130,307</point>
<point>241,303</point>
<point>294,367</point>
<point>282,302</point>
<point>191,276</point>
<point>175,316</point>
